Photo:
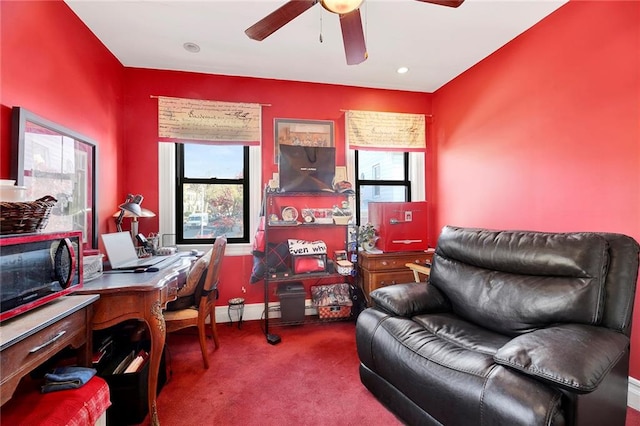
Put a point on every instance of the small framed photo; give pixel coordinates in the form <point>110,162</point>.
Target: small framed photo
<point>302,133</point>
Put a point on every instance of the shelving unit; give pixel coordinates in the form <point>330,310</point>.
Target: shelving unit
<point>281,229</point>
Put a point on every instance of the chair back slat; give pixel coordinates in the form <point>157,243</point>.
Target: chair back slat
<point>215,263</point>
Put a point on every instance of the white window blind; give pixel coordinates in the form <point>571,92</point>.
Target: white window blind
<point>385,130</point>
<point>194,120</point>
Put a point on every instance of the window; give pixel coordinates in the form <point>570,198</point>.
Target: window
<point>381,176</point>
<point>376,176</point>
<point>212,193</point>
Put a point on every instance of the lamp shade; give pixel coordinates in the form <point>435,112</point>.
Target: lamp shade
<point>143,213</point>
<point>341,6</point>
<point>133,208</point>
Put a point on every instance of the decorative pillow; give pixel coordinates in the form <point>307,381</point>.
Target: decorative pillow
<point>302,247</point>
<point>333,294</point>
<point>311,263</point>
<point>189,294</point>
<point>275,260</point>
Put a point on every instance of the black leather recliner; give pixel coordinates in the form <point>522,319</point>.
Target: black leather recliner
<point>512,328</point>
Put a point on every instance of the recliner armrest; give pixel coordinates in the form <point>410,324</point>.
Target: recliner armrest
<point>572,356</point>
<point>410,299</point>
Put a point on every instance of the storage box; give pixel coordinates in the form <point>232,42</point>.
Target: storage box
<point>334,311</point>
<point>291,295</point>
<point>344,267</point>
<point>401,226</point>
<point>129,391</point>
<point>332,301</point>
<point>92,267</point>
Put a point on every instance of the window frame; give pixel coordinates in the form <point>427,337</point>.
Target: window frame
<point>416,169</point>
<point>359,183</point>
<point>179,197</point>
<point>375,172</point>
<point>167,200</point>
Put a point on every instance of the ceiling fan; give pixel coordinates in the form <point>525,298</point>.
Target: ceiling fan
<point>350,22</point>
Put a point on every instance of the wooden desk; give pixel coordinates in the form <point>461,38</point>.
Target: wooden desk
<point>142,296</point>
<point>29,339</point>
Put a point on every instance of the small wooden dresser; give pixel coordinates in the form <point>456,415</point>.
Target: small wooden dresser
<point>31,338</point>
<point>380,270</point>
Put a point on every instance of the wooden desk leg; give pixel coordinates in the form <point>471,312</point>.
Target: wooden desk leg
<point>158,331</point>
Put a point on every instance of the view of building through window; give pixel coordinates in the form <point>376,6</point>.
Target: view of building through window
<point>381,176</point>
<point>213,192</point>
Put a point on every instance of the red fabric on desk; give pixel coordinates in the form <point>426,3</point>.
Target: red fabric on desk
<point>73,407</point>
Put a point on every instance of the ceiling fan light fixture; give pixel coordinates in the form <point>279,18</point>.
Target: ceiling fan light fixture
<point>341,7</point>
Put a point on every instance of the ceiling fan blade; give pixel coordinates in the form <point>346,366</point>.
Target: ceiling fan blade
<point>278,18</point>
<point>453,3</point>
<point>353,37</point>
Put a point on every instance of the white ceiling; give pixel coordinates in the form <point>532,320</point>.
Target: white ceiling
<point>437,43</point>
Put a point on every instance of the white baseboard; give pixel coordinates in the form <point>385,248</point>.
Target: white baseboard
<point>633,398</point>
<point>254,311</point>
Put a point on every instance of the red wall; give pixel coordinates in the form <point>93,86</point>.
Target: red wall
<point>52,65</point>
<point>544,134</point>
<point>285,99</point>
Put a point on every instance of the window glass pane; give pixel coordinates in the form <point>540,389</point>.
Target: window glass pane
<point>212,210</point>
<point>213,161</point>
<point>385,193</point>
<point>380,165</point>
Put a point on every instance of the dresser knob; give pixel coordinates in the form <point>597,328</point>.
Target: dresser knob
<point>384,262</point>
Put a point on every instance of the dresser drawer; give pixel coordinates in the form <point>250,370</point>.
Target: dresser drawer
<point>170,291</point>
<point>383,279</point>
<point>392,261</point>
<point>39,347</point>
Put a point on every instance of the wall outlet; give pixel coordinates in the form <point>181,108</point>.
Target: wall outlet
<point>408,216</point>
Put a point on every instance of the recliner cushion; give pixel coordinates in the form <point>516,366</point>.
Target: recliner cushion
<point>462,333</point>
<point>546,355</point>
<point>514,282</point>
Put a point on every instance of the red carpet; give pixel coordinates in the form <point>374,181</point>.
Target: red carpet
<point>310,378</point>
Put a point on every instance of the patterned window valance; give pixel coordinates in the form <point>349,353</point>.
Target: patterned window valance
<point>385,130</point>
<point>194,120</point>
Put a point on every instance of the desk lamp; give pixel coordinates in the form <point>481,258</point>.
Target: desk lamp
<point>131,208</point>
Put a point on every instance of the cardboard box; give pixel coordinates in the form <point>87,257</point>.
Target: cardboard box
<point>401,226</point>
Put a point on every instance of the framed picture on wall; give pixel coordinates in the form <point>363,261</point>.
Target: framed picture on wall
<point>51,159</point>
<point>302,133</point>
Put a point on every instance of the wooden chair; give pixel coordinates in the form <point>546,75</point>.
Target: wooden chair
<point>417,270</point>
<point>196,317</point>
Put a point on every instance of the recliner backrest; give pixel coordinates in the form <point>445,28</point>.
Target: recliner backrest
<point>621,282</point>
<point>517,281</point>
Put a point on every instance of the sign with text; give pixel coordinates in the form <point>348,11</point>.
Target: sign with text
<point>385,130</point>
<point>181,120</point>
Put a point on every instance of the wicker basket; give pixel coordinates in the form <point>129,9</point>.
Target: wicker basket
<point>24,217</point>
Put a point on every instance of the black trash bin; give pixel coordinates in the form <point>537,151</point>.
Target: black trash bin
<point>291,297</point>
